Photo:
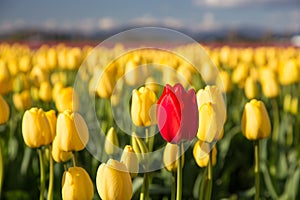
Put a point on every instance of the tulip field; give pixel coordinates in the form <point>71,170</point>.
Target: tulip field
<point>117,122</point>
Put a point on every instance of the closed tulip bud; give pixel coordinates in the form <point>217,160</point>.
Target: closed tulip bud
<point>45,92</point>
<point>25,63</point>
<point>134,74</point>
<point>106,83</point>
<point>270,87</point>
<point>212,94</point>
<point>56,89</point>
<point>71,131</point>
<point>67,99</point>
<point>255,120</point>
<point>251,90</point>
<point>20,83</point>
<point>289,72</point>
<point>142,101</point>
<point>201,153</point>
<point>22,101</point>
<point>287,102</point>
<point>59,155</point>
<point>225,80</point>
<point>77,184</point>
<point>152,84</point>
<point>294,106</point>
<point>170,157</point>
<point>240,73</point>
<point>38,75</point>
<point>113,181</point>
<point>35,128</point>
<point>4,111</point>
<point>111,142</point>
<point>5,78</point>
<point>130,159</point>
<point>139,147</point>
<point>51,117</point>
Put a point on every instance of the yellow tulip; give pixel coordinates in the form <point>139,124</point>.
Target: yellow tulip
<point>45,92</point>
<point>111,144</point>
<point>217,109</point>
<point>71,131</point>
<point>270,87</point>
<point>240,74</point>
<point>56,89</point>
<point>170,157</point>
<point>113,181</point>
<point>59,155</point>
<point>294,106</point>
<point>77,185</point>
<point>21,83</point>
<point>5,78</point>
<point>142,101</point>
<point>209,126</point>
<point>289,72</point>
<point>51,117</point>
<point>67,99</point>
<point>251,90</point>
<point>35,128</point>
<point>152,84</point>
<point>130,159</point>
<point>22,101</point>
<point>25,63</point>
<point>201,153</point>
<point>106,83</point>
<point>38,75</point>
<point>255,120</point>
<point>134,74</point>
<point>4,111</point>
<point>225,81</point>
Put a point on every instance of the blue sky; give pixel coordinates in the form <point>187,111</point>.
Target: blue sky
<point>199,15</point>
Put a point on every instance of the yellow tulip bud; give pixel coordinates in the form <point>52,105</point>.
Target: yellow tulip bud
<point>201,153</point>
<point>142,101</point>
<point>111,142</point>
<point>139,147</point>
<point>289,72</point>
<point>22,101</point>
<point>38,75</point>
<point>51,117</point>
<point>294,106</point>
<point>77,184</point>
<point>287,102</point>
<point>113,181</point>
<point>225,81</point>
<point>45,92</point>
<point>255,120</point>
<point>270,87</point>
<point>5,78</point>
<point>51,58</point>
<point>59,155</point>
<point>71,131</point>
<point>67,99</point>
<point>240,73</point>
<point>152,84</point>
<point>35,128</point>
<point>134,74</point>
<point>212,94</point>
<point>56,89</point>
<point>25,63</point>
<point>170,157</point>
<point>4,111</point>
<point>209,126</point>
<point>20,83</point>
<point>130,159</point>
<point>106,83</point>
<point>251,90</point>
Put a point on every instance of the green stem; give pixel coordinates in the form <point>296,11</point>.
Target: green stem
<point>50,187</point>
<point>42,174</point>
<point>203,185</point>
<point>256,169</point>
<point>209,177</point>
<point>74,159</point>
<point>179,175</point>
<point>1,168</point>
<point>145,190</point>
<point>173,191</point>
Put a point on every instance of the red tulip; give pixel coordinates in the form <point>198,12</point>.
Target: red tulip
<point>177,114</point>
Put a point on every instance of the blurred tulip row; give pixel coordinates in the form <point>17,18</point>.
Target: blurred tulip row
<point>228,129</point>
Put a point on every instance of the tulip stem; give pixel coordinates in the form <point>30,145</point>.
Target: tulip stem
<point>42,174</point>
<point>209,177</point>
<point>179,174</point>
<point>256,169</point>
<point>145,190</point>
<point>50,187</point>
<point>74,159</point>
<point>173,191</point>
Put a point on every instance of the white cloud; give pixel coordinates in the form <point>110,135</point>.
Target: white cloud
<point>106,23</point>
